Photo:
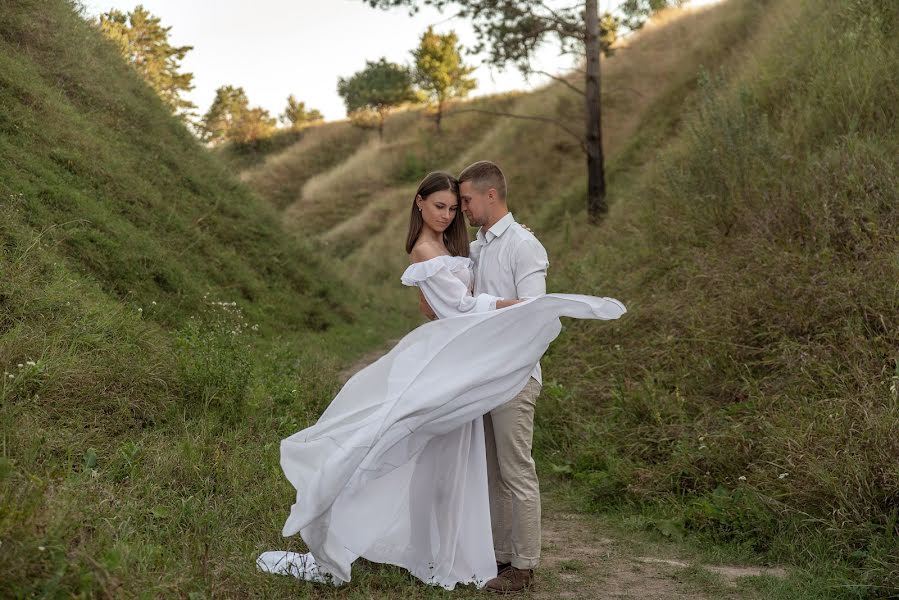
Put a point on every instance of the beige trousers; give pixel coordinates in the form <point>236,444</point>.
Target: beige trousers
<point>512,479</point>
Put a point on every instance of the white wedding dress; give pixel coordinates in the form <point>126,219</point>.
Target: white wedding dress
<point>395,469</point>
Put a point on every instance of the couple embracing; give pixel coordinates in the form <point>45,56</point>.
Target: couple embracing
<point>423,459</point>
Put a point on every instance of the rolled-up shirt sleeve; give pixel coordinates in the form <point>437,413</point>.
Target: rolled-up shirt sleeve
<point>449,297</point>
<point>529,268</point>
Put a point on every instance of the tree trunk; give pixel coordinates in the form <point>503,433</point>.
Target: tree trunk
<point>382,116</point>
<point>596,182</point>
<point>439,116</point>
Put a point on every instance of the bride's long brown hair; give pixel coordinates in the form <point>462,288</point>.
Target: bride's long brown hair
<point>456,235</point>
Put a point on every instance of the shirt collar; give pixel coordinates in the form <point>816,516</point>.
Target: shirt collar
<point>497,230</point>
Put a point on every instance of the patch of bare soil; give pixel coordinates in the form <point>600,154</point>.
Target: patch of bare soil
<point>580,561</point>
<point>365,360</point>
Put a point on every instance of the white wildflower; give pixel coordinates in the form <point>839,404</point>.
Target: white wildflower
<point>31,363</point>
<point>153,302</point>
<point>703,447</point>
<point>20,365</point>
<point>742,478</point>
<point>140,310</point>
<point>782,476</point>
<point>41,548</point>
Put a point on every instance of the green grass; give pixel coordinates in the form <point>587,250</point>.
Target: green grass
<point>173,325</point>
<point>159,333</point>
<point>749,396</point>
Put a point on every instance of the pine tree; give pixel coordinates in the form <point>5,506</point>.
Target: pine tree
<point>230,118</point>
<point>439,71</point>
<point>296,116</point>
<point>144,44</point>
<point>380,87</point>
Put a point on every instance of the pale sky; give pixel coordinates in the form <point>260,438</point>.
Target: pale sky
<point>273,48</point>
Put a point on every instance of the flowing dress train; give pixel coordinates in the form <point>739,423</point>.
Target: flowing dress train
<point>395,468</point>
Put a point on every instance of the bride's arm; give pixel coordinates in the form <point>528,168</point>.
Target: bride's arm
<point>448,296</point>
<point>425,308</point>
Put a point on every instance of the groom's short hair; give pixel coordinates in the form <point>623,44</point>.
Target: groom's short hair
<point>485,175</point>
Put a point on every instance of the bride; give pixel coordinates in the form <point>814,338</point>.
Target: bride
<point>395,469</point>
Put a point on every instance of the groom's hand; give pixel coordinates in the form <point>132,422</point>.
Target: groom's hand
<point>424,307</point>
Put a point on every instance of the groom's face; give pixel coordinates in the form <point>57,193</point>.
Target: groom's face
<point>474,203</point>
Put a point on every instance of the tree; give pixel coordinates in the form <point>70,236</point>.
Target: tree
<point>144,43</point>
<point>510,31</point>
<point>439,71</point>
<point>230,118</point>
<point>380,87</point>
<point>296,116</point>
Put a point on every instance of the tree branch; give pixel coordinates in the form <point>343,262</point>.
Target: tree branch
<point>624,89</point>
<point>561,80</point>
<point>580,140</point>
<point>558,18</point>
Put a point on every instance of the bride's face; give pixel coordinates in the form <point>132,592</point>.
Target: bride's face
<point>439,209</point>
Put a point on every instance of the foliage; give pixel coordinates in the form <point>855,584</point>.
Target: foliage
<point>230,118</point>
<point>379,87</point>
<point>511,30</point>
<point>144,43</point>
<point>635,13</point>
<point>439,70</point>
<point>296,115</point>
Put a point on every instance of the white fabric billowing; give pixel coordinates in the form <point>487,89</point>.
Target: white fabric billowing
<point>301,566</point>
<point>395,468</point>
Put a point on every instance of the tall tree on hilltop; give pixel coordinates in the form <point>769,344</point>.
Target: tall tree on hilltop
<point>296,115</point>
<point>439,71</point>
<point>230,118</point>
<point>144,43</point>
<point>510,31</point>
<point>381,86</point>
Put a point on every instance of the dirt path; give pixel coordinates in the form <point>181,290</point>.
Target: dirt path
<point>365,360</point>
<point>582,559</point>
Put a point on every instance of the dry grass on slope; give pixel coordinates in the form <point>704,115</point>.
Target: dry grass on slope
<point>645,81</point>
<point>280,177</point>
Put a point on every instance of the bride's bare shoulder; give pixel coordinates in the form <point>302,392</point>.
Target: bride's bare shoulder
<point>425,250</point>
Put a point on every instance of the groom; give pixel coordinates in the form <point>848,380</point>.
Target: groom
<point>509,263</point>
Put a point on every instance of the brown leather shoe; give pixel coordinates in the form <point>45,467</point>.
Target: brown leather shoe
<point>501,566</point>
<point>511,581</point>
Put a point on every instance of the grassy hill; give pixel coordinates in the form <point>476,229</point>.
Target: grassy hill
<point>164,324</point>
<point>149,303</point>
<point>749,397</point>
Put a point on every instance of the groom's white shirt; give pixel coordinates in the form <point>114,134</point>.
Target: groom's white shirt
<point>509,262</point>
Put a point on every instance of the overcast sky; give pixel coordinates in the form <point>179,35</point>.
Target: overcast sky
<point>273,48</point>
